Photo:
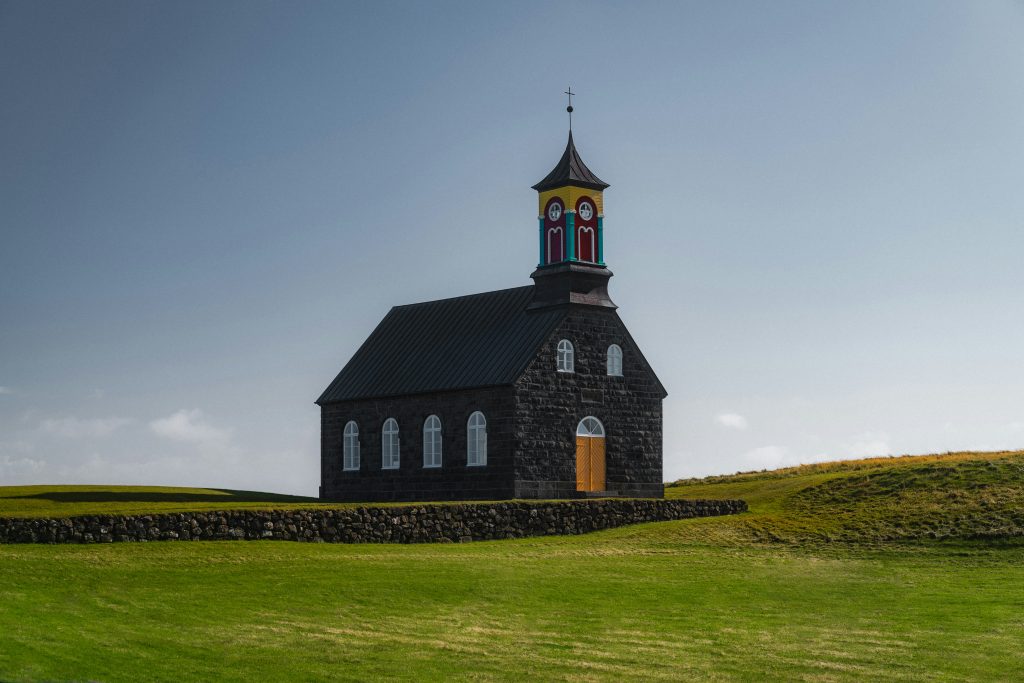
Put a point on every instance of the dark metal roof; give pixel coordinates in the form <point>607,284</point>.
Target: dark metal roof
<point>469,341</point>
<point>570,170</point>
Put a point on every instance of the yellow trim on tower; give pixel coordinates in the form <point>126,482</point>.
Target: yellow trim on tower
<point>569,195</point>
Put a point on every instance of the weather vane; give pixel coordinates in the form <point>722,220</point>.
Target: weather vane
<point>570,93</point>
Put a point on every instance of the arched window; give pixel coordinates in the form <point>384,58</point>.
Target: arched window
<point>555,250</point>
<point>351,447</point>
<point>565,361</point>
<point>553,232</point>
<point>590,426</point>
<point>476,439</point>
<point>615,360</point>
<point>432,442</point>
<point>586,244</point>
<point>586,230</point>
<point>389,445</point>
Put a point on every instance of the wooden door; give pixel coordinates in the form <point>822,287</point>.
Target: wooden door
<point>582,463</point>
<point>590,469</point>
<point>597,463</point>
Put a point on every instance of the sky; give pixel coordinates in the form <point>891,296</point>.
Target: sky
<point>815,219</point>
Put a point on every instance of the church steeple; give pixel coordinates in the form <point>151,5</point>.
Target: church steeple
<point>571,266</point>
<point>571,212</point>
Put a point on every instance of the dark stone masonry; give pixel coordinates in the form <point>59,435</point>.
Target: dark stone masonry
<point>398,524</point>
<point>548,406</point>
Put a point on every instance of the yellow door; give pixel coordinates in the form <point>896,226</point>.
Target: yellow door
<point>582,463</point>
<point>590,463</point>
<point>597,463</point>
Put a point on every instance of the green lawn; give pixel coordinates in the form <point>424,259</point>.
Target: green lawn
<point>783,592</point>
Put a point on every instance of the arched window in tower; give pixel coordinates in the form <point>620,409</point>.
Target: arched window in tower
<point>432,442</point>
<point>586,230</point>
<point>350,447</point>
<point>565,361</point>
<point>615,360</point>
<point>476,439</point>
<point>554,231</point>
<point>389,458</point>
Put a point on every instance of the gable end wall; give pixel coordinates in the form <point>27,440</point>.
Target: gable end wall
<point>550,404</point>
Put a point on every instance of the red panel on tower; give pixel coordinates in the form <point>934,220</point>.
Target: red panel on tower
<point>554,231</point>
<point>586,230</point>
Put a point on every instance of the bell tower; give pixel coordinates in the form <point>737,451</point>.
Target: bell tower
<point>571,268</point>
<point>571,212</point>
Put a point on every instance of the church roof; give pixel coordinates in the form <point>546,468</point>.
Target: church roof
<point>470,341</point>
<point>570,170</point>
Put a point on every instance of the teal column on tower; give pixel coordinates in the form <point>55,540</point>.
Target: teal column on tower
<point>600,240</point>
<point>570,235</point>
<point>540,232</point>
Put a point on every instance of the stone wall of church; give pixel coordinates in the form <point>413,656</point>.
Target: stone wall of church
<point>454,480</point>
<point>366,524</point>
<point>549,405</point>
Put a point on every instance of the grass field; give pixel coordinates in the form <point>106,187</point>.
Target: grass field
<point>896,569</point>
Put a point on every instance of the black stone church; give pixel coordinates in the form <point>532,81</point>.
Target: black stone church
<point>531,392</point>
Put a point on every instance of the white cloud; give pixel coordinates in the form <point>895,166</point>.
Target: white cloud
<point>17,469</point>
<point>190,426</point>
<point>75,428</point>
<point>868,445</point>
<point>6,390</point>
<point>769,457</point>
<point>732,421</point>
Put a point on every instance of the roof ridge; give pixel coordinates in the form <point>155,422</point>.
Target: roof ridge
<point>462,296</point>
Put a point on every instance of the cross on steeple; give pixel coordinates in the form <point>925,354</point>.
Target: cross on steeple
<point>570,93</point>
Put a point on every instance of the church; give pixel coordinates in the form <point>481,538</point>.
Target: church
<point>531,392</point>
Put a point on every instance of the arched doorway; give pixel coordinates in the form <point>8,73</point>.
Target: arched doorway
<point>590,468</point>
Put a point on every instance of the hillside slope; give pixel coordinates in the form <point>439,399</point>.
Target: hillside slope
<point>67,500</point>
<point>960,496</point>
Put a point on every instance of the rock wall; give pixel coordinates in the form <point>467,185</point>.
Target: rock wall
<point>399,524</point>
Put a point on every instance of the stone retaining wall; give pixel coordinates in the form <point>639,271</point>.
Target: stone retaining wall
<point>399,524</point>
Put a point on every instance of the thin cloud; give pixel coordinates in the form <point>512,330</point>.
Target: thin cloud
<point>190,426</point>
<point>769,457</point>
<point>732,421</point>
<point>868,445</point>
<point>6,390</point>
<point>76,428</point>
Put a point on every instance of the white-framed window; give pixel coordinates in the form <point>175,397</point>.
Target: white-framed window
<point>389,459</point>
<point>476,439</point>
<point>590,426</point>
<point>555,251</point>
<point>432,442</point>
<point>565,361</point>
<point>351,446</point>
<point>587,238</point>
<point>615,360</point>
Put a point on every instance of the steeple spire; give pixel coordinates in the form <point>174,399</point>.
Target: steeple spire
<point>570,170</point>
<point>570,93</point>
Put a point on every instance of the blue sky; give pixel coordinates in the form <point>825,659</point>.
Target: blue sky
<point>815,221</point>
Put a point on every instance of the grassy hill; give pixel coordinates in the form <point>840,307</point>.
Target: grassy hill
<point>833,575</point>
<point>952,496</point>
<point>68,501</point>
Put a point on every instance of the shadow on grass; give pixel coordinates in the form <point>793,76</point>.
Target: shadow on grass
<point>226,496</point>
